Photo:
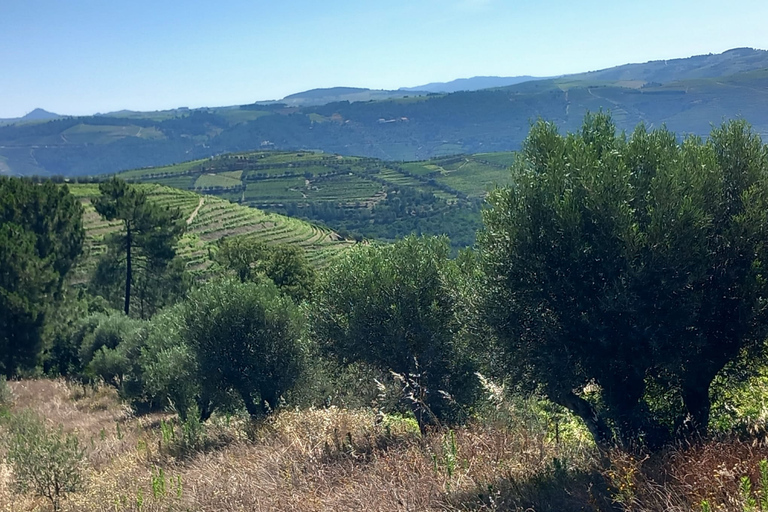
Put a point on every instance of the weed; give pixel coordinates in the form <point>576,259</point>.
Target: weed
<point>158,483</point>
<point>179,489</point>
<point>749,503</point>
<point>167,432</point>
<point>447,461</point>
<point>193,431</point>
<point>6,395</point>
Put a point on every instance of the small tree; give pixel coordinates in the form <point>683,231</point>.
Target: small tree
<point>169,366</point>
<point>228,339</point>
<point>45,462</point>
<point>629,264</point>
<point>393,307</point>
<point>285,265</point>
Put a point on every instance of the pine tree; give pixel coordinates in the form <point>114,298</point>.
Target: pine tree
<point>144,248</point>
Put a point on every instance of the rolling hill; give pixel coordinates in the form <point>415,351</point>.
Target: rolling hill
<point>209,218</point>
<point>357,197</point>
<point>37,114</point>
<point>687,95</point>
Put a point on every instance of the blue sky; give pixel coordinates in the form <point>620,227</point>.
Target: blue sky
<point>86,56</point>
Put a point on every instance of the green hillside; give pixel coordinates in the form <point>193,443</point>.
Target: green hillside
<point>209,219</point>
<point>358,197</point>
<point>730,62</point>
<point>685,94</point>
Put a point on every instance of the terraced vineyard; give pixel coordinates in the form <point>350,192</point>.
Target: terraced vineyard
<point>360,197</point>
<point>209,219</point>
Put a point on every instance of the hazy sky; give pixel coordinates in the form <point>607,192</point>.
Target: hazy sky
<point>87,56</point>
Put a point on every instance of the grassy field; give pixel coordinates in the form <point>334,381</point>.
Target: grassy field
<point>216,218</point>
<point>357,460</point>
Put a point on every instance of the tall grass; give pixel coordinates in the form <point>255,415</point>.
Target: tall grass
<point>517,455</point>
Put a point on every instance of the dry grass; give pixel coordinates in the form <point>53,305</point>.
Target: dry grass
<point>329,459</point>
<point>682,477</point>
<point>345,460</point>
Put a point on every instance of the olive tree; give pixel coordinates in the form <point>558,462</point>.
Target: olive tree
<point>394,307</point>
<point>617,266</point>
<point>227,339</point>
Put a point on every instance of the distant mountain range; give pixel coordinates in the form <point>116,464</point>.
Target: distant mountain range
<point>727,63</point>
<point>688,95</point>
<point>36,115</point>
<point>336,94</point>
<point>475,83</point>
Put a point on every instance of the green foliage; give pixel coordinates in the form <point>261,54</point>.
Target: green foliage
<point>76,317</point>
<point>284,265</point>
<point>192,438</point>
<point>192,432</point>
<point>394,307</point>
<point>169,364</point>
<point>614,262</point>
<point>41,235</point>
<point>228,342</point>
<point>738,399</point>
<point>246,339</point>
<point>112,350</point>
<point>158,484</point>
<point>142,252</point>
<point>749,503</point>
<point>46,462</point>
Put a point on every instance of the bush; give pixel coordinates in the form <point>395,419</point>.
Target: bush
<point>395,308</point>
<point>169,365</point>
<point>77,316</point>
<point>228,342</point>
<point>46,462</point>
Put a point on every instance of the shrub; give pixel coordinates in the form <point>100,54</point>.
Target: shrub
<point>228,342</point>
<point>46,462</point>
<point>112,353</point>
<point>77,316</point>
<point>394,307</point>
<point>169,366</point>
